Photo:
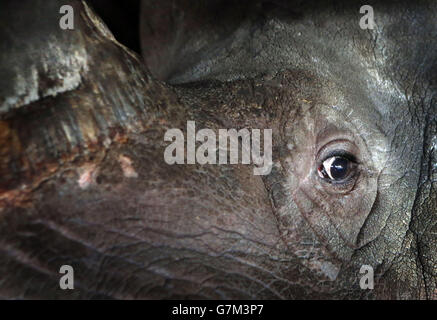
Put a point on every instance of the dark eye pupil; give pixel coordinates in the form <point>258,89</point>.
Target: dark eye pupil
<point>339,168</point>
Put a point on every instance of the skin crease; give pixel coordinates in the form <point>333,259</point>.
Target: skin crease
<point>83,179</point>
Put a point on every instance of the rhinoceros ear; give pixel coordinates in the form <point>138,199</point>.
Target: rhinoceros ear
<point>184,41</point>
<point>178,34</point>
<point>64,93</point>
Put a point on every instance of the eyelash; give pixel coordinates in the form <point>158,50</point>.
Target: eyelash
<point>340,153</point>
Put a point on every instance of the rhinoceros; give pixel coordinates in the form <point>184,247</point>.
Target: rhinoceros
<point>351,188</point>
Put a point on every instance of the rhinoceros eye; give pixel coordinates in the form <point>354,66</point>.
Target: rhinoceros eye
<point>337,168</point>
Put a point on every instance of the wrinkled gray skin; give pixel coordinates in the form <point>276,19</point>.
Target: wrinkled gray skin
<point>83,181</point>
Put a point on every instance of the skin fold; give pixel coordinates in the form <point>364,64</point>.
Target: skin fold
<point>83,181</point>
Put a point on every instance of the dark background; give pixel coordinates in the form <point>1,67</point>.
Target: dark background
<point>122,18</point>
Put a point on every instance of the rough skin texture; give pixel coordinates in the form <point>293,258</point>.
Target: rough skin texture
<point>83,181</point>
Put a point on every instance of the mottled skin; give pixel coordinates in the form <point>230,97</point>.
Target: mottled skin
<point>83,180</point>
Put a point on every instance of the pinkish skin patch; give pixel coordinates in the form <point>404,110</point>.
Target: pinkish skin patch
<point>126,166</point>
<point>87,175</point>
